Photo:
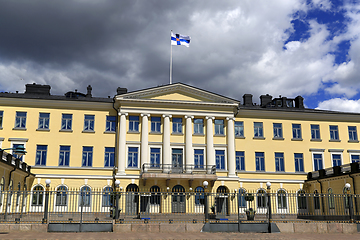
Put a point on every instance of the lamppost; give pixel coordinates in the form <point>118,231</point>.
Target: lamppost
<point>46,210</point>
<point>268,188</point>
<point>349,199</point>
<point>117,184</point>
<point>206,183</point>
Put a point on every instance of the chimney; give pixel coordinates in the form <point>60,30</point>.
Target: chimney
<point>248,99</point>
<point>120,90</point>
<point>265,99</point>
<point>299,102</point>
<point>88,94</point>
<point>37,89</point>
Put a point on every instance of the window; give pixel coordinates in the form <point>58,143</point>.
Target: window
<point>240,161</point>
<point>13,152</point>
<point>318,162</point>
<point>277,130</point>
<point>301,199</point>
<point>258,129</point>
<point>241,197</point>
<point>87,156</point>
<point>239,129</point>
<point>107,200</point>
<point>85,194</point>
<point>20,120</point>
<point>281,199</point>
<point>110,123</point>
<point>156,124</point>
<point>334,133</point>
<point>133,123</point>
<point>64,156</point>
<point>260,161</point>
<point>38,196</point>
<point>331,199</point>
<point>261,199</point>
<point>198,126</point>
<point>133,157</point>
<point>61,196</point>
<point>316,200</point>
<point>177,158</point>
<point>296,128</point>
<point>199,158</point>
<point>315,132</point>
<point>177,125</point>
<point>41,155</point>
<point>336,159</point>
<point>199,196</point>
<point>155,195</point>
<point>66,121</point>
<point>109,158</point>
<point>1,118</point>
<point>219,127</point>
<point>220,159</point>
<point>352,133</point>
<point>44,119</point>
<point>299,162</point>
<point>279,162</point>
<point>355,158</point>
<point>155,157</point>
<point>89,122</point>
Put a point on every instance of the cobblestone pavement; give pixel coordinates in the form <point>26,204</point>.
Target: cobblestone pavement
<point>200,235</point>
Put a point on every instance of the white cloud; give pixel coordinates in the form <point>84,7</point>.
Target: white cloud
<point>340,104</point>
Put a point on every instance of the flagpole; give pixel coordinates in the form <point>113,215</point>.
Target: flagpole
<point>170,59</point>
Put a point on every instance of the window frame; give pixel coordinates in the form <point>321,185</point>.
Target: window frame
<point>240,160</point>
<point>66,155</point>
<point>338,161</point>
<point>20,121</point>
<point>334,133</point>
<point>260,162</point>
<point>258,130</point>
<point>41,155</point>
<point>199,127</point>
<point>239,129</point>
<point>299,162</point>
<point>219,125</point>
<point>277,130</point>
<point>66,121</point>
<point>89,123</point>
<point>199,163</point>
<point>279,162</point>
<point>316,166</point>
<point>296,131</point>
<point>353,136</point>
<point>1,118</point>
<point>155,164</point>
<point>155,124</point>
<point>61,194</point>
<point>110,125</point>
<point>315,133</point>
<point>109,156</point>
<point>222,162</point>
<point>177,125</point>
<point>134,122</point>
<point>43,121</point>
<point>132,155</point>
<point>89,156</point>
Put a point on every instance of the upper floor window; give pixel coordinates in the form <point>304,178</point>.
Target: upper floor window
<point>133,123</point>
<point>109,158</point>
<point>219,127</point>
<point>318,161</point>
<point>66,121</point>
<point>155,157</point>
<point>296,129</point>
<point>156,124</point>
<point>177,125</point>
<point>352,133</point>
<point>299,162</point>
<point>1,118</point>
<point>277,130</point>
<point>240,160</point>
<point>199,158</point>
<point>260,161</point>
<point>315,132</point>
<point>334,133</point>
<point>355,158</point>
<point>41,151</point>
<point>239,129</point>
<point>87,156</point>
<point>336,159</point>
<point>64,156</point>
<point>220,159</point>
<point>133,157</point>
<point>20,120</point>
<point>198,126</point>
<point>110,123</point>
<point>89,121</point>
<point>279,162</point>
<point>44,119</point>
<point>258,129</point>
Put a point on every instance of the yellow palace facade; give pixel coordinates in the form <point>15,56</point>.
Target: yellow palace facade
<point>173,138</point>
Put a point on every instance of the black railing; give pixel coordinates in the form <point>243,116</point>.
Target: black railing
<point>179,168</point>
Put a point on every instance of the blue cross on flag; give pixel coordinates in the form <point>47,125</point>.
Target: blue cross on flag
<point>178,39</point>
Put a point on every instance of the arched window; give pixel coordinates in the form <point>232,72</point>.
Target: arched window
<point>132,188</point>
<point>85,194</point>
<point>301,197</point>
<point>261,199</point>
<point>221,189</point>
<point>199,196</point>
<point>241,197</point>
<point>38,196</point>
<point>281,196</point>
<point>108,197</point>
<point>155,195</point>
<point>18,194</point>
<point>316,200</point>
<point>61,196</point>
<point>331,199</point>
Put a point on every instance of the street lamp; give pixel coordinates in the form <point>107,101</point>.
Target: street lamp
<point>46,210</point>
<point>19,150</point>
<point>349,200</point>
<point>268,188</point>
<point>206,183</point>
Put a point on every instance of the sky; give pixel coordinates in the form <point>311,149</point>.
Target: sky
<point>279,47</point>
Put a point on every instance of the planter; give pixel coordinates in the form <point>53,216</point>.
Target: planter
<point>250,215</point>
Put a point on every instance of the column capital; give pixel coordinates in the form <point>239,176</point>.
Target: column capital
<point>230,118</point>
<point>169,116</point>
<point>208,117</point>
<point>145,114</point>
<point>121,113</point>
<point>189,117</point>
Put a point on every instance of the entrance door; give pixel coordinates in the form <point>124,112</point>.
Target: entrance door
<point>177,160</point>
<point>132,199</point>
<point>178,199</point>
<point>221,201</point>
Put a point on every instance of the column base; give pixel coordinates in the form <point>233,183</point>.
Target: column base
<point>121,173</point>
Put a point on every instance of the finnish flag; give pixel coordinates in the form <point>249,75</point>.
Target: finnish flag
<point>178,39</point>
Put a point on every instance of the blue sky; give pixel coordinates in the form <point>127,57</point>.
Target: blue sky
<point>279,47</point>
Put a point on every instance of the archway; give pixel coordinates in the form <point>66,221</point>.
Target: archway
<point>178,203</point>
<point>132,199</point>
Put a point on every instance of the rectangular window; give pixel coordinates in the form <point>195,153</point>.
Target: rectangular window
<point>355,158</point>
<point>133,123</point>
<point>41,155</point>
<point>110,123</point>
<point>336,159</point>
<point>156,124</point>
<point>315,132</point>
<point>277,130</point>
<point>299,162</point>
<point>352,133</point>
<point>133,157</point>
<point>109,158</point>
<point>240,161</point>
<point>258,129</point>
<point>64,156</point>
<point>66,121</point>
<point>198,126</point>
<point>15,155</point>
<point>155,157</point>
<point>260,161</point>
<point>177,159</point>
<point>87,156</point>
<point>44,119</point>
<point>296,129</point>
<point>318,161</point>
<point>219,127</point>
<point>199,158</point>
<point>220,159</point>
<point>89,121</point>
<point>1,118</point>
<point>239,129</point>
<point>20,120</point>
<point>334,133</point>
<point>279,162</point>
<point>177,125</point>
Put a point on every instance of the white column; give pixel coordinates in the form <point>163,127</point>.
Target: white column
<point>144,158</point>
<point>166,143</point>
<point>231,146</point>
<point>122,144</point>
<point>210,153</point>
<point>189,155</point>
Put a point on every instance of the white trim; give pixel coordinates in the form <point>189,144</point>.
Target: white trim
<point>204,152</point>
<point>161,152</point>
<point>353,153</point>
<point>337,153</point>
<point>268,180</point>
<point>322,158</point>
<point>225,152</point>
<point>127,156</point>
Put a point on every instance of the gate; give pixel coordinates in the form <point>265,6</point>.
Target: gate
<point>178,199</point>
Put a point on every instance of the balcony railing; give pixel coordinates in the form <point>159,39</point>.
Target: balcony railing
<point>179,168</point>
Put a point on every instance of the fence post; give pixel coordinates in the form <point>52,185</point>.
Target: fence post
<point>206,210</point>
<point>349,198</point>
<point>268,185</point>
<point>117,183</point>
<point>46,207</point>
